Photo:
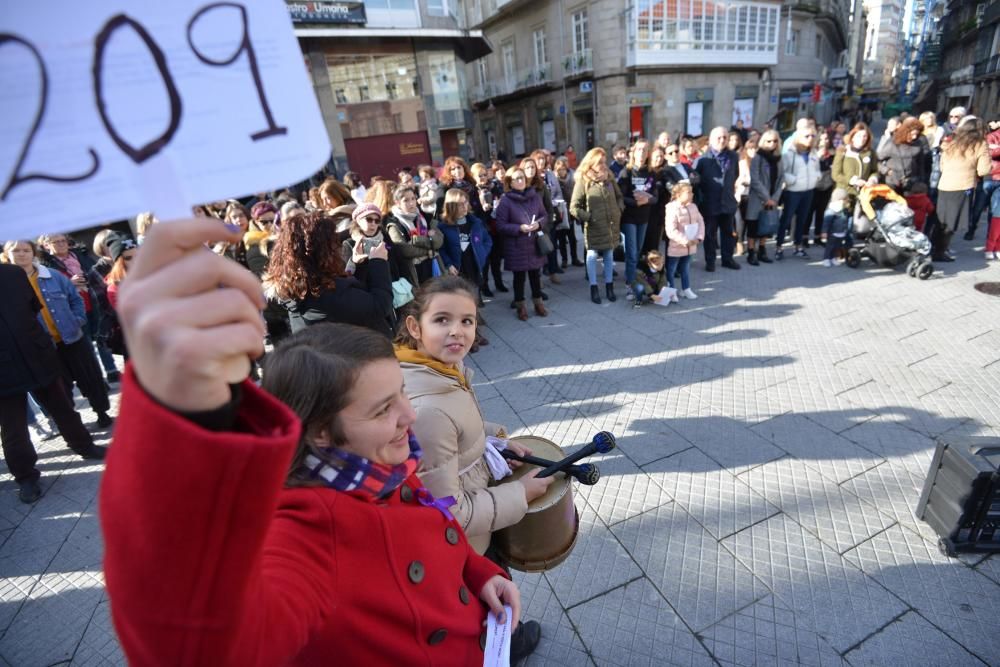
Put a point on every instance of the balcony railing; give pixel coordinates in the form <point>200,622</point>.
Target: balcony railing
<point>580,62</point>
<point>989,66</point>
<point>527,78</point>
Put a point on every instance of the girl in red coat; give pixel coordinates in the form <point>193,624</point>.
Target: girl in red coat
<point>241,531</point>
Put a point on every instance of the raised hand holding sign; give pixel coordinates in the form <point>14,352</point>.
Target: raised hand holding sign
<point>114,107</point>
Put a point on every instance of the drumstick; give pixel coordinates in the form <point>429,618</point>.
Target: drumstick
<point>603,442</point>
<point>586,473</point>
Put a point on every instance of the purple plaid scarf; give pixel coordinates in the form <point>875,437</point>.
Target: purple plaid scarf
<point>359,477</point>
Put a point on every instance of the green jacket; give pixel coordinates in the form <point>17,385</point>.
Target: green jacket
<point>599,207</point>
<point>844,168</point>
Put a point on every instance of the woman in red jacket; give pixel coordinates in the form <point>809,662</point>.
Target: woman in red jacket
<point>239,531</point>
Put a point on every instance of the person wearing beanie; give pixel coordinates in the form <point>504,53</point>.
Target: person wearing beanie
<point>365,232</point>
<point>122,250</point>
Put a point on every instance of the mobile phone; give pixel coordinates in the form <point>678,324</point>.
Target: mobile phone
<point>368,243</point>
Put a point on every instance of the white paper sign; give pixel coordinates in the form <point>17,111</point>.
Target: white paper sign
<point>691,231</point>
<point>113,107</point>
<point>497,651</point>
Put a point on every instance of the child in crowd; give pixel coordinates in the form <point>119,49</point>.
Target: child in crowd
<point>651,279</point>
<point>429,190</point>
<point>461,457</point>
<point>836,224</point>
<point>685,230</point>
<point>920,203</point>
<point>466,244</point>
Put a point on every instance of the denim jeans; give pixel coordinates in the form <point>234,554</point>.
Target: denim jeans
<point>990,200</point>
<point>635,235</point>
<point>682,264</point>
<point>798,204</point>
<point>609,265</point>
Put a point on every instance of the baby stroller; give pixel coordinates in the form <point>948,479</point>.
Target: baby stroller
<point>884,232</point>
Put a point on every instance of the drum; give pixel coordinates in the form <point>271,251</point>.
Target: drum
<point>547,533</point>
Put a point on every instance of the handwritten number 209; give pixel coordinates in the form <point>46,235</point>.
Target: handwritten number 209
<point>142,153</point>
<point>16,178</point>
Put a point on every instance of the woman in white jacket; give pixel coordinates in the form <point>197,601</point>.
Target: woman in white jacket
<point>800,170</point>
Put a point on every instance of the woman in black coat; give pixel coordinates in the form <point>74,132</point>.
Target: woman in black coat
<point>307,276</point>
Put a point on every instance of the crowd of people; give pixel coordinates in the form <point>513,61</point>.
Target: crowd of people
<point>354,469</point>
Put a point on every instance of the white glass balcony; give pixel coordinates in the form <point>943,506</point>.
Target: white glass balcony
<point>704,32</point>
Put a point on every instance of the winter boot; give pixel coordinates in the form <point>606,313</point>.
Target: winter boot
<point>762,256</point>
<point>540,308</point>
<point>752,258</point>
<point>595,294</point>
<point>609,289</point>
<point>522,312</point>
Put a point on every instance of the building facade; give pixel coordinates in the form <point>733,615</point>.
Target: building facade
<point>883,47</point>
<point>586,73</point>
<point>969,74</point>
<point>390,79</point>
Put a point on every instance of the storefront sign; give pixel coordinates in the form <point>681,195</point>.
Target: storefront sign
<point>352,13</point>
<point>412,149</point>
<point>643,99</point>
<point>586,86</point>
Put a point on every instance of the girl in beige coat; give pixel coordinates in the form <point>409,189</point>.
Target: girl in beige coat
<point>431,348</point>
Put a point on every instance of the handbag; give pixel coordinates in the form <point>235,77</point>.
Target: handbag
<point>767,222</point>
<point>402,292</point>
<point>543,244</point>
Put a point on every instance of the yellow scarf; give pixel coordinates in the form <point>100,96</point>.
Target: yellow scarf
<point>410,356</point>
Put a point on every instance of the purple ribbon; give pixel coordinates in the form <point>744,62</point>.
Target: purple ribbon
<point>440,504</point>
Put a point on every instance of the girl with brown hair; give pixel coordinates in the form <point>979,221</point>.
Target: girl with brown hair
<point>431,346</point>
<point>304,526</point>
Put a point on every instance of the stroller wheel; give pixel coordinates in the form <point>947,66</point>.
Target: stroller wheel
<point>854,258</point>
<point>912,267</point>
<point>925,270</point>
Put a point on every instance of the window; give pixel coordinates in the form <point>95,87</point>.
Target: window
<point>437,7</point>
<point>363,95</point>
<point>541,59</point>
<point>740,25</point>
<point>509,71</point>
<point>481,69</point>
<point>792,45</point>
<point>819,46</point>
<point>581,39</point>
<point>340,95</point>
<point>391,90</point>
<point>389,4</point>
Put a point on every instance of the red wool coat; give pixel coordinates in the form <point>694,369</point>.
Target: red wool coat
<point>210,561</point>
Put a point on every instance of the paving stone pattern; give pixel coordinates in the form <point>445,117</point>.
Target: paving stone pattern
<point>774,435</point>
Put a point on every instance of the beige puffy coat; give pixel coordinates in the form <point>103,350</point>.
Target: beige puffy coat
<point>451,431</point>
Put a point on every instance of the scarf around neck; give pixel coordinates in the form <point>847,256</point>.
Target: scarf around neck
<point>357,476</point>
<point>412,221</point>
<point>408,355</point>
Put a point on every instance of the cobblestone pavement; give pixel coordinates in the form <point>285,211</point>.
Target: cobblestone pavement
<point>773,438</point>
